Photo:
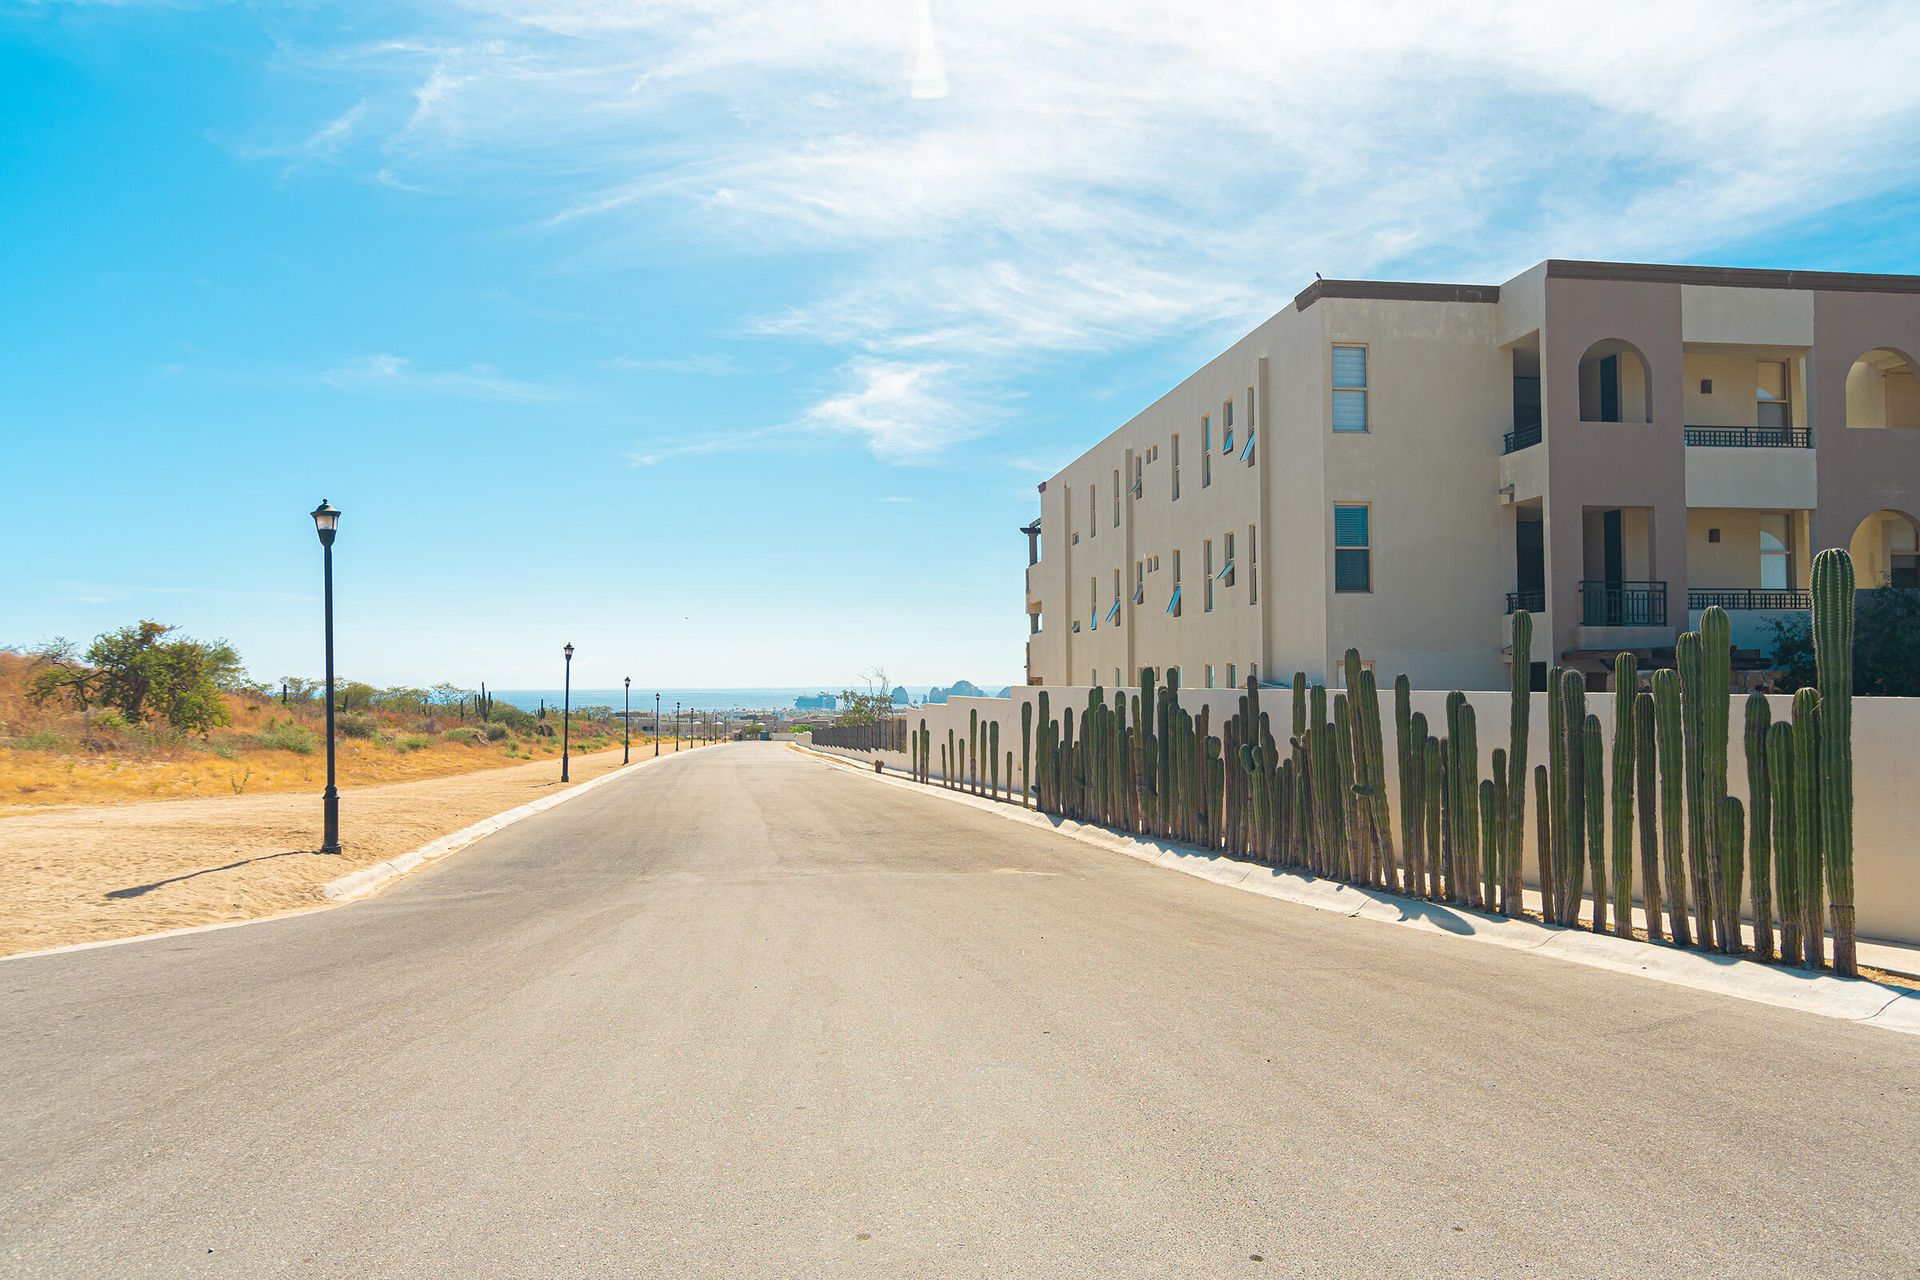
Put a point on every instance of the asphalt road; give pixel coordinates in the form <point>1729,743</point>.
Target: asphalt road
<point>745,1014</point>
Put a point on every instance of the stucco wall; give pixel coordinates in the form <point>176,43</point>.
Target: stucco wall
<point>1886,807</point>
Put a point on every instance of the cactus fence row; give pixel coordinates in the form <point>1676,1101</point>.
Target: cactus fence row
<point>1312,793</point>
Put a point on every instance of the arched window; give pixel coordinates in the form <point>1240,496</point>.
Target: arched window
<point>1615,385</point>
<point>1886,550</point>
<point>1773,557</point>
<point>1882,391</point>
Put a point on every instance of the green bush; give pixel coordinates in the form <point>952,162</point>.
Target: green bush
<point>412,742</point>
<point>465,735</point>
<point>495,732</point>
<point>285,735</point>
<point>39,740</point>
<point>356,724</point>
<point>108,719</point>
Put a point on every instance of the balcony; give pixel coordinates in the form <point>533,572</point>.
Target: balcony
<point>1750,437</point>
<point>1519,438</point>
<point>1748,599</point>
<point>1531,601</point>
<point>1635,603</point>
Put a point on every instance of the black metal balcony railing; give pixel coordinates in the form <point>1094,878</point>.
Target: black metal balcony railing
<point>1520,438</point>
<point>1750,437</point>
<point>1641,603</point>
<point>1748,598</point>
<point>1531,601</point>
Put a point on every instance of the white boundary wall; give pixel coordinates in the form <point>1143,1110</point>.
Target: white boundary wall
<point>1886,774</point>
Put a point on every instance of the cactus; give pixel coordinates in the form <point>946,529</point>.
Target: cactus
<point>1026,753</point>
<point>1552,851</point>
<point>1493,833</point>
<point>1670,716</point>
<point>1760,818</point>
<point>1380,820</point>
<point>1647,784</point>
<point>1809,721</point>
<point>1626,683</point>
<point>1570,874</point>
<point>1703,877</point>
<point>1413,802</point>
<point>1833,587</point>
<point>1044,756</point>
<point>1488,835</point>
<point>1518,716</point>
<point>1543,834</point>
<point>1434,769</point>
<point>1403,752</point>
<point>1786,848</point>
<point>993,740</point>
<point>1716,662</point>
<point>1593,748</point>
<point>1732,828</point>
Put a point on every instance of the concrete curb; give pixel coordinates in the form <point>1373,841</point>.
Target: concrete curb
<point>1856,1000</point>
<point>370,880</point>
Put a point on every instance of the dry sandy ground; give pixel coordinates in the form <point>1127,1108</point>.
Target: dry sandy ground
<point>112,871</point>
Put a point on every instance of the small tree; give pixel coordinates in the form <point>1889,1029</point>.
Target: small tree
<point>1886,645</point>
<point>142,673</point>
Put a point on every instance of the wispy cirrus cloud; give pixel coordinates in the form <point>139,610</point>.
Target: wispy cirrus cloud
<point>1001,185</point>
<point>391,375</point>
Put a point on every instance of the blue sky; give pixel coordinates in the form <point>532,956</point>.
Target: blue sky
<point>728,341</point>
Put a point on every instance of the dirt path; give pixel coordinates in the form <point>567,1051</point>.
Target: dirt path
<point>112,871</point>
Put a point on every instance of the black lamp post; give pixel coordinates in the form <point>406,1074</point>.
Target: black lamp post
<point>326,520</point>
<point>566,711</point>
<point>656,722</point>
<point>676,728</point>
<point>626,725</point>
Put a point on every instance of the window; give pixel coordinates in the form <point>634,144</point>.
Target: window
<point>1116,677</point>
<point>1093,600</point>
<point>1033,623</point>
<point>1253,566</point>
<point>1233,676</point>
<point>1173,605</point>
<point>1116,497</point>
<point>1209,674</point>
<point>1226,570</point>
<point>1206,592</point>
<point>1206,451</point>
<point>1349,388</point>
<point>1093,505</point>
<point>1249,408</point>
<point>1139,581</point>
<point>1773,412</point>
<point>1226,417</point>
<point>1138,475</point>
<point>1352,548</point>
<point>1176,467</point>
<point>1253,672</point>
<point>1113,614</point>
<point>1776,561</point>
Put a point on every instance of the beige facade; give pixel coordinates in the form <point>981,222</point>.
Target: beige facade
<point>1396,467</point>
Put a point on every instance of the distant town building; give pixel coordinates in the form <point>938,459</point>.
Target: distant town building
<point>1398,467</point>
<point>815,702</point>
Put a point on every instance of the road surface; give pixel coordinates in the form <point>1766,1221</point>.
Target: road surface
<point>747,1014</point>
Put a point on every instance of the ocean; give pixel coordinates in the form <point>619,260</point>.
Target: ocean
<point>760,699</point>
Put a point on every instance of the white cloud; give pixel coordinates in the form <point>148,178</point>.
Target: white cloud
<point>1000,182</point>
<point>386,374</point>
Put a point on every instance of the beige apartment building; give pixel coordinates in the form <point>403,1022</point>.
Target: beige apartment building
<point>1613,446</point>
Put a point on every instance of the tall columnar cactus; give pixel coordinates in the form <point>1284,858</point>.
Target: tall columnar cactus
<point>1703,874</point>
<point>1760,822</point>
<point>950,763</point>
<point>1552,852</point>
<point>1493,836</point>
<point>1413,802</point>
<point>1350,816</point>
<point>1043,757</point>
<point>1543,834</point>
<point>1786,846</point>
<point>1570,875</point>
<point>1433,755</point>
<point>1670,717</point>
<point>1380,824</point>
<point>1488,835</point>
<point>1518,716</point>
<point>1732,825</point>
<point>1626,684</point>
<point>1593,747</point>
<point>1026,754</point>
<point>1833,587</point>
<point>1403,752</point>
<point>1716,656</point>
<point>1809,722</point>
<point>1469,755</point>
<point>973,750</point>
<point>1646,783</point>
<point>993,739</point>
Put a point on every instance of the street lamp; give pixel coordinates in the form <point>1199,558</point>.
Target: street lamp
<point>676,728</point>
<point>326,521</point>
<point>566,711</point>
<point>626,725</point>
<point>656,722</point>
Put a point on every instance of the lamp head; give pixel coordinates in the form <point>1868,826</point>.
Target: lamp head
<point>326,521</point>
<point>569,652</point>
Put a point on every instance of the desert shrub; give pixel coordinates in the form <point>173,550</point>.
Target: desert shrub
<point>39,740</point>
<point>107,719</point>
<point>465,735</point>
<point>143,671</point>
<point>358,724</point>
<point>512,717</point>
<point>412,742</point>
<point>285,735</point>
<point>495,732</point>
